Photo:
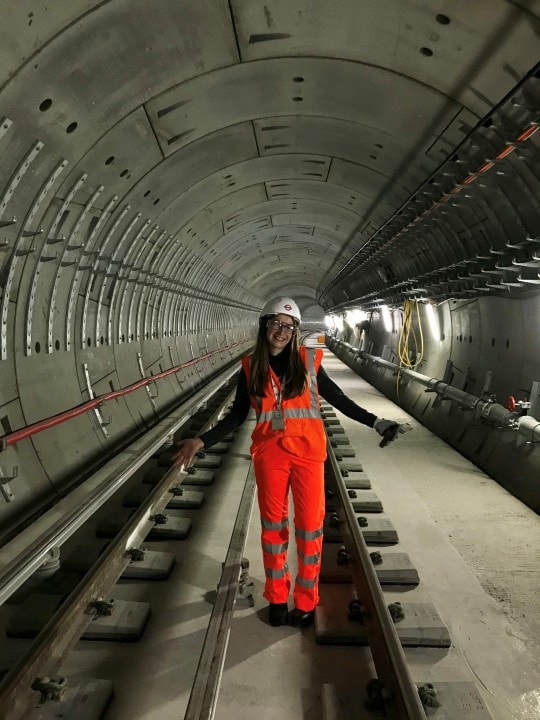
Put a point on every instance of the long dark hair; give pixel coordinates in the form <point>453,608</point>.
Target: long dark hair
<point>295,379</point>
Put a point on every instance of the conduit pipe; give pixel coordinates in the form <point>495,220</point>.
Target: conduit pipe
<point>485,408</point>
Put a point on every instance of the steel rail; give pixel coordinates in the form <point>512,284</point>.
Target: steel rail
<point>205,689</point>
<point>20,557</point>
<point>399,691</point>
<point>64,629</point>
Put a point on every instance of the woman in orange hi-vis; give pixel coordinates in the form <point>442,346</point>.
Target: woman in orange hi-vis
<point>282,381</point>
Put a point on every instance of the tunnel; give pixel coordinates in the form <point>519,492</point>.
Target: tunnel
<point>168,167</point>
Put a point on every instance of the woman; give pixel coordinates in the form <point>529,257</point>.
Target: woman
<point>282,381</point>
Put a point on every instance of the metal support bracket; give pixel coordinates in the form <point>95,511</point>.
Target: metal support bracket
<point>4,483</point>
<point>465,379</point>
<point>49,689</point>
<point>143,375</point>
<point>173,363</point>
<point>102,422</point>
<point>28,251</point>
<point>447,380</point>
<point>198,370</point>
<point>246,586</point>
<point>534,409</point>
<point>488,382</point>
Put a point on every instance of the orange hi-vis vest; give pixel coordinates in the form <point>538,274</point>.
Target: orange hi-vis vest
<point>303,434</point>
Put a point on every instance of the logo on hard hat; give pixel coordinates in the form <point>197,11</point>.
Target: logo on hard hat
<point>288,307</point>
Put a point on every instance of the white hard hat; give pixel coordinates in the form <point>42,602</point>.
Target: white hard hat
<point>283,305</point>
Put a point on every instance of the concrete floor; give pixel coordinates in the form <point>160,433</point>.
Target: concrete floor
<point>474,545</point>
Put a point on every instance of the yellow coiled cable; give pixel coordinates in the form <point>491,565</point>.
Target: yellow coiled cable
<point>409,340</point>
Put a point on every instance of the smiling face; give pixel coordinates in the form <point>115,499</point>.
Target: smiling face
<point>277,335</point>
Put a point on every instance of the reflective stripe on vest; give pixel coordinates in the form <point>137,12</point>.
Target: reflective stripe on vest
<point>299,429</point>
<point>306,413</point>
<point>298,414</point>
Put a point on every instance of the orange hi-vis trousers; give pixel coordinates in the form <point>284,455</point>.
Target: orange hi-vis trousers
<point>277,470</point>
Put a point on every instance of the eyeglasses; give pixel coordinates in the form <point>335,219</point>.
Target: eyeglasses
<point>277,325</point>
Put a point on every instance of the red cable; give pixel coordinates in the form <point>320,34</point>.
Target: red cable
<point>14,437</point>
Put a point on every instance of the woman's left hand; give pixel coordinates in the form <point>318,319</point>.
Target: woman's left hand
<point>187,449</point>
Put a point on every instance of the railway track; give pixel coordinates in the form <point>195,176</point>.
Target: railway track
<point>80,598</point>
<point>55,606</point>
<point>362,613</point>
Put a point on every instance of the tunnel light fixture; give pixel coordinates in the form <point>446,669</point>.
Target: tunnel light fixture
<point>433,321</point>
<point>354,317</point>
<point>387,318</point>
<point>334,322</point>
<point>358,316</point>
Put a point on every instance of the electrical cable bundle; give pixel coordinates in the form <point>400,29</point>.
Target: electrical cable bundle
<point>408,339</point>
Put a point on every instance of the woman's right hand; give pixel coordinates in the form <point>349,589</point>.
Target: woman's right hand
<point>187,450</point>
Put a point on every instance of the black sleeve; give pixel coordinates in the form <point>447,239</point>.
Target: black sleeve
<point>337,398</point>
<point>234,418</point>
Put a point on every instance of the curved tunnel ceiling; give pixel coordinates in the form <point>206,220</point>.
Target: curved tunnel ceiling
<point>230,151</point>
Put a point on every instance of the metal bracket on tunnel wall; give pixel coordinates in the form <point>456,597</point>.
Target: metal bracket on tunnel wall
<point>102,422</point>
<point>197,368</point>
<point>173,363</point>
<point>387,354</point>
<point>4,483</point>
<point>488,382</point>
<point>534,410</point>
<point>148,391</point>
<point>446,380</point>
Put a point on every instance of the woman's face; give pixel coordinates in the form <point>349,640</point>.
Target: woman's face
<point>278,332</point>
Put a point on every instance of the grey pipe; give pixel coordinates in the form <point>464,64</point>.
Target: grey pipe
<point>486,408</point>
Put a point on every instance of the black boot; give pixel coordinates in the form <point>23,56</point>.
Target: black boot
<point>301,618</point>
<point>277,614</point>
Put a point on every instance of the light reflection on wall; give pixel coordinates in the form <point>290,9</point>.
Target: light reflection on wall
<point>433,321</point>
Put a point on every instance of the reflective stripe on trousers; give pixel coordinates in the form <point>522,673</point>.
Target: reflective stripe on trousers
<point>277,471</point>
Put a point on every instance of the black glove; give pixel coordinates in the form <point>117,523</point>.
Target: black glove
<point>388,429</point>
